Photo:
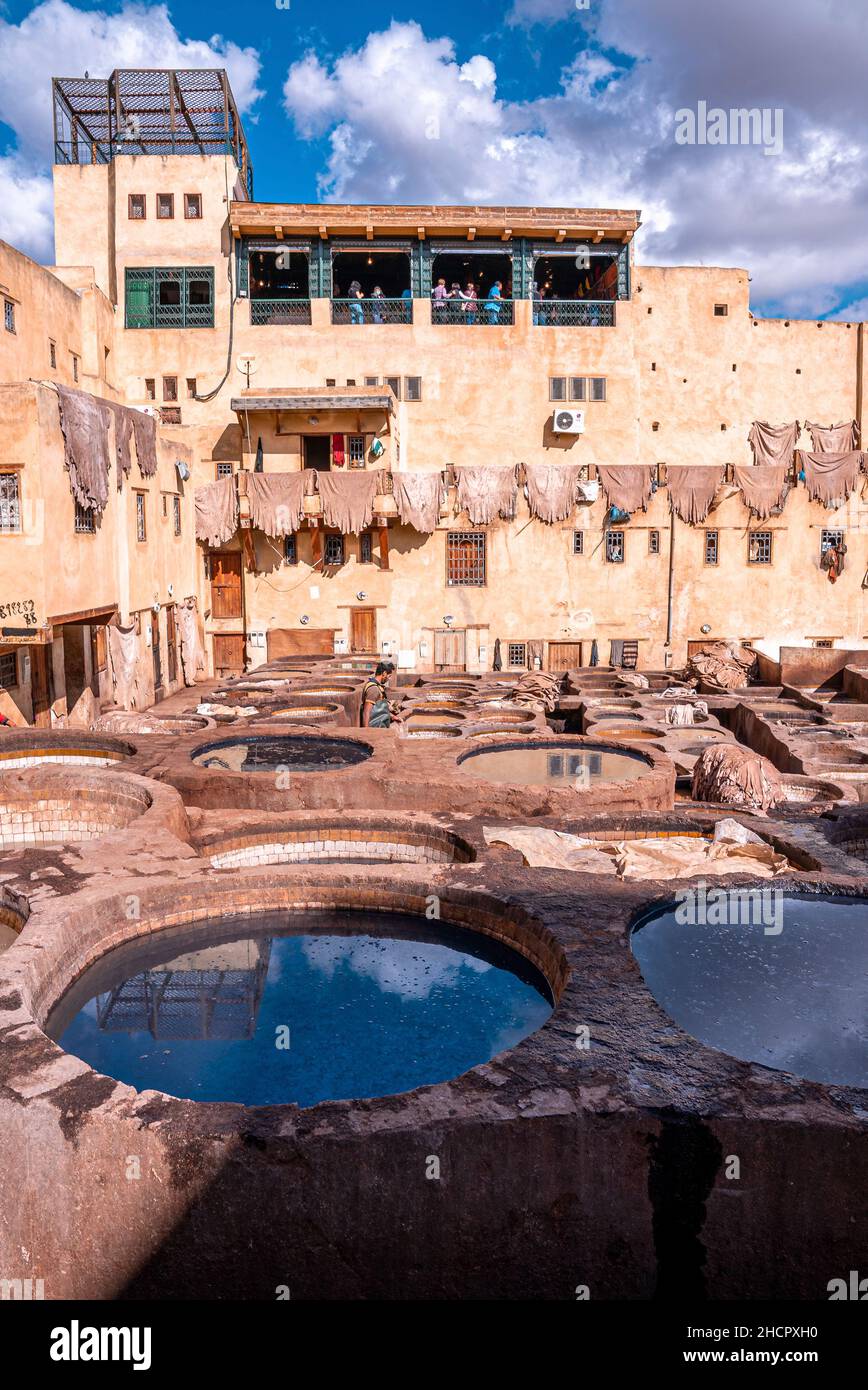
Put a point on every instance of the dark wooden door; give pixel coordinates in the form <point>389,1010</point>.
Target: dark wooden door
<point>41,685</point>
<point>450,650</point>
<point>228,653</point>
<point>225,583</point>
<point>171,643</point>
<point>363,630</point>
<point>565,656</point>
<point>156,655</point>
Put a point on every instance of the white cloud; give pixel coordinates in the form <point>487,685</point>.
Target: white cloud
<point>407,121</point>
<point>55,39</point>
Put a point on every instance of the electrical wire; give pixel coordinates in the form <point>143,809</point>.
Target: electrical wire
<point>209,395</point>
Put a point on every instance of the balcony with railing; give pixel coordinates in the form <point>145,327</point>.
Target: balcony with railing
<point>279,312</point>
<point>372,310</point>
<point>574,313</point>
<point>473,313</point>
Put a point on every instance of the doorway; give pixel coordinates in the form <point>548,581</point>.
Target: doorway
<point>171,643</point>
<point>318,452</point>
<point>228,654</point>
<point>41,685</point>
<point>450,649</point>
<point>363,631</point>
<point>565,656</point>
<point>225,569</point>
<point>156,654</point>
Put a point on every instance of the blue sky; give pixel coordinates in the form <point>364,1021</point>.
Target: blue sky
<point>521,101</point>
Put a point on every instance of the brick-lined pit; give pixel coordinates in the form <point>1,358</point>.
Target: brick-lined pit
<point>33,747</point>
<point>316,840</point>
<point>44,807</point>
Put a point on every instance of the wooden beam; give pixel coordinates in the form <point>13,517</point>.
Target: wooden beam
<point>324,233</point>
<point>561,234</point>
<point>598,236</point>
<point>506,234</point>
<point>420,232</point>
<point>316,545</point>
<point>471,233</point>
<point>369,232</point>
<point>384,547</point>
<point>278,231</point>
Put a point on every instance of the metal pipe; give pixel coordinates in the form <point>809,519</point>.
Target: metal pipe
<point>668,642</point>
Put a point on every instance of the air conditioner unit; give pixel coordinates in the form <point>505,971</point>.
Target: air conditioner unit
<point>568,422</point>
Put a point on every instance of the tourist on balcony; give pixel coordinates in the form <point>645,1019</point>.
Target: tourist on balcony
<point>407,306</point>
<point>456,308</point>
<point>493,303</point>
<point>469,298</point>
<point>538,297</point>
<point>378,297</point>
<point>357,313</point>
<point>440,296</point>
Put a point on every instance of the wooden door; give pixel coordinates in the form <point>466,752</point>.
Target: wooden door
<point>225,583</point>
<point>228,653</point>
<point>363,630</point>
<point>171,643</point>
<point>156,655</point>
<point>450,649</point>
<point>41,685</point>
<point>565,656</point>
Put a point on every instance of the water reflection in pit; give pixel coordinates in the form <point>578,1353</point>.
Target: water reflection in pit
<point>547,764</point>
<point>782,980</point>
<point>373,1005</point>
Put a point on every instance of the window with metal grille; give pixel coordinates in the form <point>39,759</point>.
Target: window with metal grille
<point>165,506</point>
<point>169,297</point>
<point>170,388</point>
<point>192,206</point>
<point>465,557</point>
<point>578,388</point>
<point>412,388</point>
<point>760,548</point>
<point>596,388</point>
<point>10,502</point>
<point>9,315</point>
<point>150,388</point>
<point>711,547</point>
<point>176,514</point>
<point>366,548</point>
<point>290,550</point>
<point>372,381</point>
<point>170,414</point>
<point>141,523</point>
<point>578,542</point>
<point>557,388</point>
<point>615,547</point>
<point>824,641</point>
<point>395,383</point>
<point>224,470</point>
<point>137,207</point>
<point>830,538</point>
<point>516,653</point>
<point>191,387</point>
<point>85,521</point>
<point>351,381</point>
<point>165,205</point>
<point>52,354</point>
<point>8,670</point>
<point>356,450</point>
<point>333,550</point>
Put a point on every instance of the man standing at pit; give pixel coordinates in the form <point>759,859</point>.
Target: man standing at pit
<point>377,710</point>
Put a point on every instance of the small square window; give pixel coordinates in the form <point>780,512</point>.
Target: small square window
<point>711,547</point>
<point>192,206</point>
<point>653,542</point>
<point>165,205</point>
<point>333,552</point>
<point>578,388</point>
<point>176,514</point>
<point>465,558</point>
<point>141,521</point>
<point>52,354</point>
<point>597,388</point>
<point>516,654</point>
<point>615,547</point>
<point>170,414</point>
<point>557,388</point>
<point>372,381</point>
<point>8,670</point>
<point>366,548</point>
<point>137,208</point>
<point>330,381</point>
<point>830,538</point>
<point>191,388</point>
<point>170,388</point>
<point>412,388</point>
<point>356,450</point>
<point>10,503</point>
<point>578,542</point>
<point>290,550</point>
<point>165,505</point>
<point>224,470</point>
<point>556,764</point>
<point>150,388</point>
<point>84,520</point>
<point>721,311</point>
<point>760,548</point>
<point>351,381</point>
<point>394,382</point>
<point>824,641</point>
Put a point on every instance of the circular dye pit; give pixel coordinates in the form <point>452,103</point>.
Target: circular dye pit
<point>436,714</point>
<point>49,811</point>
<point>323,843</point>
<point>691,734</point>
<point>303,712</point>
<point>782,980</point>
<point>535,764</point>
<point>630,732</point>
<point>286,754</point>
<point>481,730</point>
<point>71,754</point>
<point>366,1004</point>
<point>425,728</point>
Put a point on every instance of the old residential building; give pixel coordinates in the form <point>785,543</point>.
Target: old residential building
<point>239,322</point>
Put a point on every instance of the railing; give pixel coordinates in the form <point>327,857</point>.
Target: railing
<point>270,312</point>
<point>370,310</point>
<point>574,313</point>
<point>473,313</point>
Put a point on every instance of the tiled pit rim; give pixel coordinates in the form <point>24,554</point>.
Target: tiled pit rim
<point>49,805</point>
<point>34,747</point>
<point>320,840</point>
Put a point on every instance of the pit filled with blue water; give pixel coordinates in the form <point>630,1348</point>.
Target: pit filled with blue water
<point>770,977</point>
<point>300,1008</point>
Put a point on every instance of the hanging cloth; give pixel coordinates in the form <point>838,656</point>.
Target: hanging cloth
<point>692,489</point>
<point>84,423</point>
<point>773,443</point>
<point>764,486</point>
<point>486,493</point>
<point>627,487</point>
<point>216,507</point>
<point>145,432</point>
<point>830,478</point>
<point>833,439</point>
<point>192,653</point>
<point>417,497</point>
<point>276,501</point>
<point>551,489</point>
<point>595,653</point>
<point>497,663</point>
<point>348,499</point>
<point>338,455</point>
<point>123,436</point>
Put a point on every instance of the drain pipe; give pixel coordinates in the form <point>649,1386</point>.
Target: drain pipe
<point>668,643</point>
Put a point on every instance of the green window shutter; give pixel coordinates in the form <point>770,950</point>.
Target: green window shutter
<point>139,299</point>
